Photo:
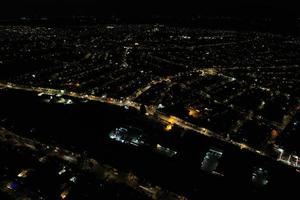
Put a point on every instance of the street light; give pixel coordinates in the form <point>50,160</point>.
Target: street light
<point>281,153</point>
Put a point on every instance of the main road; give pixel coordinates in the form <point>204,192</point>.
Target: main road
<point>151,111</point>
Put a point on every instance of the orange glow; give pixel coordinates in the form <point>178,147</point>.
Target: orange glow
<point>64,194</point>
<point>171,120</point>
<point>169,127</point>
<point>274,133</point>
<point>194,112</point>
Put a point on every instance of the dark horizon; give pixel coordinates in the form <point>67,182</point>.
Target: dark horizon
<point>230,8</point>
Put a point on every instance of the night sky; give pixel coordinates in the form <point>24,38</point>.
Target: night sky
<point>253,8</point>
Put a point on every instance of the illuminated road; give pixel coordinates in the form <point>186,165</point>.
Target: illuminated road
<point>151,112</point>
<point>140,91</point>
<point>166,119</point>
<point>168,79</point>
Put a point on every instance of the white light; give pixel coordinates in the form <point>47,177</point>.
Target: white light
<point>73,179</point>
<point>62,171</point>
